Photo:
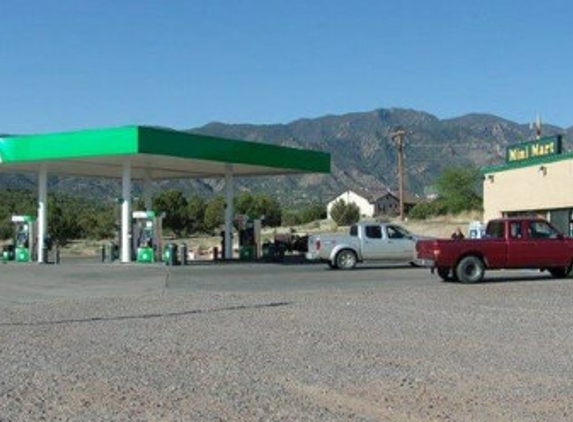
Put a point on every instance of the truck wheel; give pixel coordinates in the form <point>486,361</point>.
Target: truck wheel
<point>470,269</point>
<point>346,259</point>
<point>558,272</point>
<point>446,274</point>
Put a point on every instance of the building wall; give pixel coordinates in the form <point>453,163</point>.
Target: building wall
<point>366,208</point>
<point>536,187</point>
<point>388,205</point>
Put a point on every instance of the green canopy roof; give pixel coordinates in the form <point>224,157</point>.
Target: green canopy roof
<point>154,153</point>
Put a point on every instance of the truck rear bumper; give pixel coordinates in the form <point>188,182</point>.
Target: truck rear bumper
<point>429,263</point>
<point>312,256</point>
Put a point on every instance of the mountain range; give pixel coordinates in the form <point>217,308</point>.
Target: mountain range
<point>363,154</point>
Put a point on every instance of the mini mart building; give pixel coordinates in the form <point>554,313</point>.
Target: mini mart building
<point>533,181</point>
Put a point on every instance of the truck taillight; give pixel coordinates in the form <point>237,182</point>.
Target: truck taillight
<point>436,253</point>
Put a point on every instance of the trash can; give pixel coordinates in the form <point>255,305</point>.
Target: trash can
<point>8,253</point>
<point>246,253</point>
<point>170,254</point>
<point>268,251</point>
<point>113,252</point>
<point>183,253</point>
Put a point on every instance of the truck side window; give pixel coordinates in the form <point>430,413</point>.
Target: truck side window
<point>354,231</point>
<point>515,230</point>
<point>394,233</point>
<point>373,232</point>
<point>495,230</point>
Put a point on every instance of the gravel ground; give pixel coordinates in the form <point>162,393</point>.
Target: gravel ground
<point>434,351</point>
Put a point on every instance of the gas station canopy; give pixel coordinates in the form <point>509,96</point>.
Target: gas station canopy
<point>148,153</point>
<point>154,154</point>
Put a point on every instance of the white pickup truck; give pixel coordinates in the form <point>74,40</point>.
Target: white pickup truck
<point>365,242</point>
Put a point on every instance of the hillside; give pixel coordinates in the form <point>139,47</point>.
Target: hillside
<point>363,154</point>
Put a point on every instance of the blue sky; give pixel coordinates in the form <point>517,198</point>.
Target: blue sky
<point>74,64</point>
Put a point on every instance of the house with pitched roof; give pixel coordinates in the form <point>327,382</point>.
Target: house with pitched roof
<point>375,204</point>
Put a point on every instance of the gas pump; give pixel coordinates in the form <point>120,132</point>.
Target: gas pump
<point>146,235</point>
<point>24,240</point>
<point>249,237</point>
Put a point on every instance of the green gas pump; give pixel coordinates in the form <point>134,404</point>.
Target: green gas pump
<point>249,237</point>
<point>146,235</point>
<point>23,244</point>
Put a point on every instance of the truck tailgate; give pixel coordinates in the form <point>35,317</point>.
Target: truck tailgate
<point>426,252</point>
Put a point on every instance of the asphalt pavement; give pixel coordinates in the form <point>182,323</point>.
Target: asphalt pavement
<point>87,277</point>
<point>287,341</point>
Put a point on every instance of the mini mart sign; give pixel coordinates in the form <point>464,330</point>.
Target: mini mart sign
<point>534,149</point>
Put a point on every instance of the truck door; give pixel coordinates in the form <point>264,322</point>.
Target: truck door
<point>521,249</point>
<point>401,244</point>
<point>548,244</point>
<point>373,242</point>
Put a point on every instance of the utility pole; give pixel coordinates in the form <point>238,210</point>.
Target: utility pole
<point>398,136</point>
<point>537,127</point>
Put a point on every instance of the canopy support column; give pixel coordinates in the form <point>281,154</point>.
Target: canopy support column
<point>147,189</point>
<point>229,195</point>
<point>42,211</point>
<point>125,213</point>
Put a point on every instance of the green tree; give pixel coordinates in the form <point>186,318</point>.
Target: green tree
<point>214,214</point>
<point>98,222</point>
<point>196,206</point>
<point>64,215</point>
<point>425,210</point>
<point>345,214</point>
<point>313,212</point>
<point>270,209</point>
<point>174,204</point>
<point>261,205</point>
<point>291,218</point>
<point>15,202</point>
<point>246,203</point>
<point>457,187</point>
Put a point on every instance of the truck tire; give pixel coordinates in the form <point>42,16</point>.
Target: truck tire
<point>559,272</point>
<point>470,269</point>
<point>346,259</point>
<point>332,265</point>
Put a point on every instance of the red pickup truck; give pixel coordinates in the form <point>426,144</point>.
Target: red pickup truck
<point>507,243</point>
